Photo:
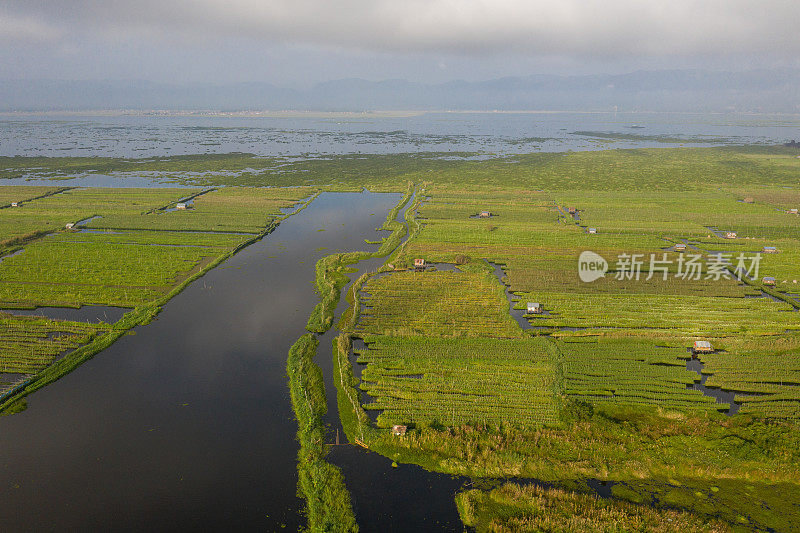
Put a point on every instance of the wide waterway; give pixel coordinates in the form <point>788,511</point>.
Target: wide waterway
<point>186,423</point>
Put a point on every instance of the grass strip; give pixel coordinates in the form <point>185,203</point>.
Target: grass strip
<point>328,506</point>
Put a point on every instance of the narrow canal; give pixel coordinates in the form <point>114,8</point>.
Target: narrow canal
<point>186,424</point>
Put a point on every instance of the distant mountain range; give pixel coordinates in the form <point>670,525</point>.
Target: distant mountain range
<point>676,90</point>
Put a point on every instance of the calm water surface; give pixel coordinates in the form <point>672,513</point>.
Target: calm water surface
<point>472,135</point>
<point>482,132</point>
<point>187,423</point>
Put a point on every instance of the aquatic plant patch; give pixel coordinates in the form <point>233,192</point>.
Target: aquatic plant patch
<point>427,381</point>
<point>437,304</point>
<point>27,344</point>
<point>630,371</point>
<point>517,507</point>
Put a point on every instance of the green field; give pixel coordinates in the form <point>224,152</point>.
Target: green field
<point>604,371</point>
<point>595,389</point>
<point>30,344</point>
<point>457,382</point>
<point>131,251</point>
<point>630,372</point>
<point>437,304</point>
<point>512,507</point>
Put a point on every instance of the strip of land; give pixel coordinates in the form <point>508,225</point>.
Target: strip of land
<point>596,387</point>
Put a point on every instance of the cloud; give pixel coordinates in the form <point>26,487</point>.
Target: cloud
<point>569,28</point>
<point>26,29</point>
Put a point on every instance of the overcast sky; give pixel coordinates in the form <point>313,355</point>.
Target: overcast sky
<point>297,42</point>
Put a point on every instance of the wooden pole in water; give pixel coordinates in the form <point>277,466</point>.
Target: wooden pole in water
<point>337,436</point>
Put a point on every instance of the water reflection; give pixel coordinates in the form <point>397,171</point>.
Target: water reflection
<point>185,424</point>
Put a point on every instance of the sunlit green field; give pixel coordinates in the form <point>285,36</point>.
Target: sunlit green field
<point>597,388</point>
<point>615,348</point>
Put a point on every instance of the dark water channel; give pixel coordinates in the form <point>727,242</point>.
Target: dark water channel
<point>385,498</point>
<point>187,424</point>
<point>721,396</point>
<point>516,314</point>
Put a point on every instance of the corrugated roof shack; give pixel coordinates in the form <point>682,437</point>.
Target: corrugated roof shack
<point>534,308</point>
<point>768,280</point>
<point>399,431</point>
<point>181,205</point>
<point>702,347</point>
<point>730,234</point>
<point>680,247</point>
<point>419,264</point>
<point>485,214</point>
<point>770,250</point>
<point>592,230</point>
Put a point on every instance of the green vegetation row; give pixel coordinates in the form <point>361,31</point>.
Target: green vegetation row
<point>354,419</point>
<point>29,344</point>
<point>11,400</point>
<point>764,373</point>
<point>321,484</point>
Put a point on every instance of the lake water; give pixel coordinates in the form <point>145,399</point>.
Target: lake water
<point>484,133</point>
<point>470,135</point>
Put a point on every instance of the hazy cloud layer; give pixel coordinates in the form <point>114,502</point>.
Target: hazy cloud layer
<point>300,42</point>
<point>572,28</point>
<point>22,29</point>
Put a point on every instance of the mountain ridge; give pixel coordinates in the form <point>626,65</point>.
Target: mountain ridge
<point>762,90</point>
